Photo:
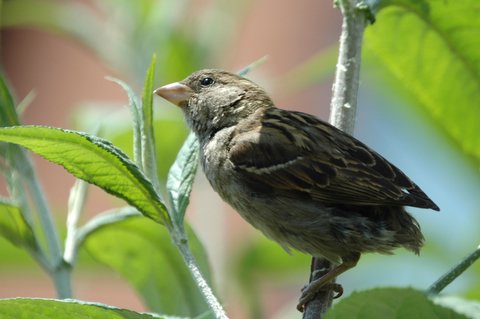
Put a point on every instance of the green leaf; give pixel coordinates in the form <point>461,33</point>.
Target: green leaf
<point>143,253</point>
<point>146,124</point>
<point>94,160</point>
<point>20,308</point>
<point>14,227</point>
<point>8,114</point>
<point>181,177</point>
<point>431,50</point>
<point>170,133</point>
<point>382,303</point>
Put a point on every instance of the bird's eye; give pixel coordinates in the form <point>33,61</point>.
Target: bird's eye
<point>206,81</point>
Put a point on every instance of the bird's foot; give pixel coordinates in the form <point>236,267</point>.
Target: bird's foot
<point>310,290</point>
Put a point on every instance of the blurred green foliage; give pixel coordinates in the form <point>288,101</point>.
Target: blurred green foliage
<point>125,33</point>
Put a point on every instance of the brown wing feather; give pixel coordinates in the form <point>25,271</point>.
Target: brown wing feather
<point>285,151</point>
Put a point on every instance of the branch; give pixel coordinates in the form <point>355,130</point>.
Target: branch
<point>453,273</point>
<point>76,204</point>
<point>342,115</point>
<point>59,270</point>
<point>345,87</point>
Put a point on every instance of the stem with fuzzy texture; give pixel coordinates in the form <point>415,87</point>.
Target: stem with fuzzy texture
<point>59,270</point>
<point>76,203</point>
<point>180,240</point>
<point>342,115</point>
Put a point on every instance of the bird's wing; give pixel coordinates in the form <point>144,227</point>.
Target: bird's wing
<point>295,153</point>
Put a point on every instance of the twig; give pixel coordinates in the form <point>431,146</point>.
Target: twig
<point>345,87</point>
<point>453,273</point>
<point>343,111</point>
<point>76,204</point>
<point>60,271</point>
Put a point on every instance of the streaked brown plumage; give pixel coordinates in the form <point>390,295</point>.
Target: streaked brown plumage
<point>301,181</point>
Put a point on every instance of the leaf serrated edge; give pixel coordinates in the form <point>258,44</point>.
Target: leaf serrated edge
<point>94,143</point>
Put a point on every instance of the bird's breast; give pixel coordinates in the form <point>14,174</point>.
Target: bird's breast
<point>214,160</point>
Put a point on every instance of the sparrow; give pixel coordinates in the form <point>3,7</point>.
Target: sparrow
<point>302,182</point>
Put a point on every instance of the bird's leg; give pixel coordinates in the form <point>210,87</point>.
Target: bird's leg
<point>315,286</point>
<point>315,272</point>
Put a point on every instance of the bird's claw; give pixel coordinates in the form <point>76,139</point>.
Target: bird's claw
<point>309,292</point>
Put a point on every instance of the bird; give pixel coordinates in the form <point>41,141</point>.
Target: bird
<point>299,180</point>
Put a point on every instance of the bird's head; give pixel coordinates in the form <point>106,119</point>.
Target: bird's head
<point>215,99</point>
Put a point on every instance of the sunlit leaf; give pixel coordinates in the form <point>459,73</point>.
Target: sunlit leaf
<point>65,309</point>
<point>94,160</point>
<point>431,49</point>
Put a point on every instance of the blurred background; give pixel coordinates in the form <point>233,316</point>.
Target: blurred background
<point>56,55</point>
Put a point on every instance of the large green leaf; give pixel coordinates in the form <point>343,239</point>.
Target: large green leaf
<point>181,177</point>
<point>23,308</point>
<point>94,160</point>
<point>14,227</point>
<point>431,49</point>
<point>143,253</point>
<point>382,303</point>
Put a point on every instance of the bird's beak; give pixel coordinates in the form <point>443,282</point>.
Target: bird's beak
<point>177,93</point>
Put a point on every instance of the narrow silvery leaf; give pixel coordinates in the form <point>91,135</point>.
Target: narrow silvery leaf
<point>134,106</point>
<point>252,66</point>
<point>181,177</point>
<point>148,138</point>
